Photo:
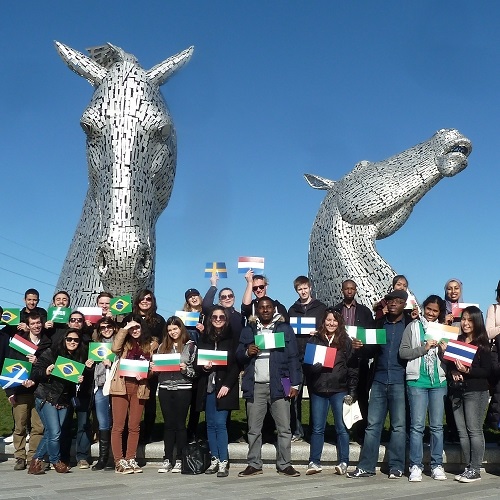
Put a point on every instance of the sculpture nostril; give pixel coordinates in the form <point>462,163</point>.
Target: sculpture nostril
<point>144,263</point>
<point>102,263</point>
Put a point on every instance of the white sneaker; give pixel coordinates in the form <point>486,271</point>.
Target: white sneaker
<point>223,469</point>
<point>166,466</point>
<point>340,469</point>
<point>415,474</point>
<point>134,466</point>
<point>459,476</point>
<point>438,473</point>
<point>9,439</point>
<point>177,467</point>
<point>313,468</point>
<point>213,468</point>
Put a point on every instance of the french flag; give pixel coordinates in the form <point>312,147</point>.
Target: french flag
<point>247,263</point>
<point>320,354</point>
<point>461,351</point>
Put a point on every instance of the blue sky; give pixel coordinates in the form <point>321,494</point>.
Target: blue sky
<point>274,90</point>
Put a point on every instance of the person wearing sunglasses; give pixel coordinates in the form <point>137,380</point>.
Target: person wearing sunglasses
<point>53,397</point>
<point>217,391</point>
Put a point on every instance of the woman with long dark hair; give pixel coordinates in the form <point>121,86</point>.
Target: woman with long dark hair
<point>426,388</point>
<point>469,392</point>
<point>329,387</point>
<point>218,388</point>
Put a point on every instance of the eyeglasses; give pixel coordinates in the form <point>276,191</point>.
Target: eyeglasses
<point>220,317</point>
<point>105,327</point>
<point>147,299</point>
<point>258,287</point>
<point>76,320</point>
<point>228,296</point>
<point>76,340</point>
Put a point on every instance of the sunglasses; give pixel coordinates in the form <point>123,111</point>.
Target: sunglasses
<point>105,327</point>
<point>76,320</point>
<point>76,340</point>
<point>147,299</point>
<point>219,317</point>
<point>258,287</point>
<point>228,296</point>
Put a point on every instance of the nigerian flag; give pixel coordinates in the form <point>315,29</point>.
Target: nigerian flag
<point>270,340</point>
<point>368,335</point>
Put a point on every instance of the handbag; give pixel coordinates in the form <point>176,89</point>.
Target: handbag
<point>109,377</point>
<point>195,457</point>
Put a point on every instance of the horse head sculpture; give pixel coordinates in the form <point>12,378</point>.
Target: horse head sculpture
<point>131,154</point>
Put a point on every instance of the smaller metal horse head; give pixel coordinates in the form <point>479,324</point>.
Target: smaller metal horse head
<point>131,154</point>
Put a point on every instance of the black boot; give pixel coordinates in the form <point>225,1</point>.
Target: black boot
<point>104,442</point>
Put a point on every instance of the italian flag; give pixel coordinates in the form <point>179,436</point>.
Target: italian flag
<point>270,340</point>
<point>218,358</point>
<point>368,335</point>
<point>133,368</point>
<point>436,331</point>
<point>22,345</point>
<point>320,354</point>
<point>166,362</point>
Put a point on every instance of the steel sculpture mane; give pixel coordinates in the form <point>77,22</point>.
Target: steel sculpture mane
<point>370,203</point>
<point>131,154</point>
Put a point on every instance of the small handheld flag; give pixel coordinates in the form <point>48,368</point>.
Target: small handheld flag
<point>67,369</point>
<point>14,373</point>
<point>218,268</point>
<point>99,351</point>
<point>218,358</point>
<point>438,332</point>
<point>120,305</point>
<point>93,314</point>
<point>458,307</point>
<point>247,263</point>
<point>188,318</point>
<point>456,350</point>
<point>320,354</point>
<point>11,316</point>
<point>133,368</point>
<point>303,325</point>
<point>22,345</point>
<point>270,340</point>
<point>58,314</point>
<point>368,335</point>
<point>166,362</point>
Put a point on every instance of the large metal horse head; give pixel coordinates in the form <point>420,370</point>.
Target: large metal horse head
<point>131,153</point>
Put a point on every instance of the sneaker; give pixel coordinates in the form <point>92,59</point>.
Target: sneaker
<point>177,467</point>
<point>459,476</point>
<point>297,439</point>
<point>438,473</point>
<point>470,476</point>
<point>395,474</point>
<point>213,467</point>
<point>166,466</point>
<point>415,474</point>
<point>250,471</point>
<point>340,469</point>
<point>223,469</point>
<point>83,464</point>
<point>357,472</point>
<point>134,466</point>
<point>9,439</point>
<point>289,471</point>
<point>123,467</point>
<point>313,468</point>
<point>20,464</point>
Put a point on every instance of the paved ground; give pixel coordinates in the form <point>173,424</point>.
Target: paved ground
<point>88,485</point>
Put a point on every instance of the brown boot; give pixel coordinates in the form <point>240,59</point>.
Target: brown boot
<point>36,467</point>
<point>61,467</point>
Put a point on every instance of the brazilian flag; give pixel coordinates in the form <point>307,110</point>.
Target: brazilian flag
<point>11,316</point>
<point>121,305</point>
<point>67,369</point>
<point>99,351</point>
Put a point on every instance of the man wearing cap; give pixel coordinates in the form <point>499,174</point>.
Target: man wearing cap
<point>387,392</point>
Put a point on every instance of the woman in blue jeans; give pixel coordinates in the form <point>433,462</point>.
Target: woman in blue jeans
<point>426,388</point>
<point>217,391</point>
<point>329,387</point>
<point>469,392</point>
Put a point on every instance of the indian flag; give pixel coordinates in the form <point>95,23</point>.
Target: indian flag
<point>188,318</point>
<point>303,325</point>
<point>133,368</point>
<point>93,314</point>
<point>270,340</point>
<point>438,332</point>
<point>67,369</point>
<point>247,263</point>
<point>11,316</point>
<point>22,345</point>
<point>320,354</point>
<point>368,335</point>
<point>58,314</point>
<point>166,362</point>
<point>99,351</point>
<point>121,305</point>
<point>14,373</point>
<point>218,358</point>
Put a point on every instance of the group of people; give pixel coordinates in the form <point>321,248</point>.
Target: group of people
<point>408,372</point>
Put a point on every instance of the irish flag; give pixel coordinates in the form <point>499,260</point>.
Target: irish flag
<point>247,263</point>
<point>133,368</point>
<point>367,335</point>
<point>22,345</point>
<point>320,354</point>
<point>438,332</point>
<point>166,362</point>
<point>456,350</point>
<point>303,325</point>
<point>270,340</point>
<point>218,358</point>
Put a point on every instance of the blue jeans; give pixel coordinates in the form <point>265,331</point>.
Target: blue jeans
<point>102,410</point>
<point>385,397</point>
<point>421,400</point>
<point>319,409</point>
<point>216,428</point>
<point>52,419</point>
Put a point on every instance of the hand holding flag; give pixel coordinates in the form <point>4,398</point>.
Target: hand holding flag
<point>217,268</point>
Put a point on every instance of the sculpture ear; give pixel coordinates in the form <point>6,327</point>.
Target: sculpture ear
<point>317,182</point>
<point>81,64</point>
<point>160,73</point>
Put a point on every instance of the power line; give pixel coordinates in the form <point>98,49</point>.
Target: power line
<point>29,277</point>
<point>29,264</point>
<point>32,249</point>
